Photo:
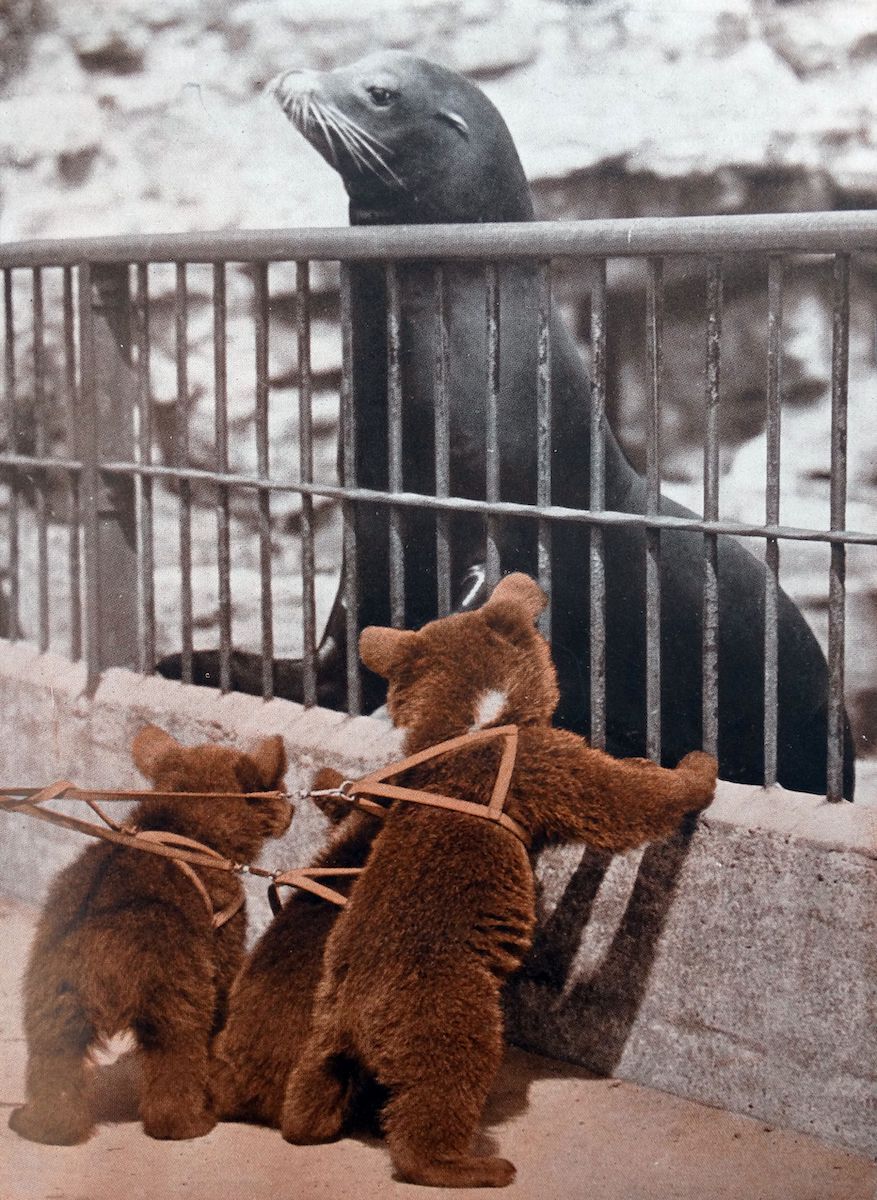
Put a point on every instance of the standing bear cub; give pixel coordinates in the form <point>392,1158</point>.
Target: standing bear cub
<point>127,941</point>
<point>445,909</point>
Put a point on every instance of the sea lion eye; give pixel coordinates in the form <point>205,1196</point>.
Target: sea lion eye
<point>382,96</point>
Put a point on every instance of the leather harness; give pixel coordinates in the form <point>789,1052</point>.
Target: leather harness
<point>186,853</point>
<point>360,793</point>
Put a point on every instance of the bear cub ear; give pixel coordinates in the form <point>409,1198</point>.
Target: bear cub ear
<point>515,604</point>
<point>382,649</point>
<point>269,759</point>
<point>520,590</point>
<point>149,747</point>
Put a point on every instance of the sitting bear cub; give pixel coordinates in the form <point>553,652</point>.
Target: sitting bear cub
<point>126,941</point>
<point>270,1003</point>
<point>445,909</point>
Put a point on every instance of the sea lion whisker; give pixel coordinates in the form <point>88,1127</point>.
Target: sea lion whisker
<point>291,108</point>
<point>355,152</point>
<point>366,136</point>
<point>316,109</point>
<point>365,142</point>
<point>301,112</point>
<point>353,145</point>
<point>359,149</point>
<point>350,137</point>
<point>372,145</point>
<point>289,102</point>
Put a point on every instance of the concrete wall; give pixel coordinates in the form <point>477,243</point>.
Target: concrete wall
<point>735,967</point>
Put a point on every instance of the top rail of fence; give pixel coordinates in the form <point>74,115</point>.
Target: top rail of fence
<point>807,233</point>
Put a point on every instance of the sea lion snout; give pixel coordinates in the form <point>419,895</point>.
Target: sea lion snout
<point>293,89</point>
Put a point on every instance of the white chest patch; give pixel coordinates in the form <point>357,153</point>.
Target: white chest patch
<point>490,705</point>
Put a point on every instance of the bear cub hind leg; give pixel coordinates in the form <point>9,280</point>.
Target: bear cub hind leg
<point>316,1099</point>
<point>57,1111</point>
<point>174,1038</point>
<point>428,1141</point>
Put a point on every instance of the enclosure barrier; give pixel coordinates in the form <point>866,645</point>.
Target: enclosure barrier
<point>109,469</point>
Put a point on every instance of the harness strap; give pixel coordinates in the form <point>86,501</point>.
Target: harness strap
<point>65,790</point>
<point>163,837</point>
<point>306,879</point>
<point>185,853</point>
<point>372,784</point>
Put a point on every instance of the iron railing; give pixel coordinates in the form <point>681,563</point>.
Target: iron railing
<point>103,326</point>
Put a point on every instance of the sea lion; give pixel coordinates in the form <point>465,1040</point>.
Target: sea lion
<point>415,143</point>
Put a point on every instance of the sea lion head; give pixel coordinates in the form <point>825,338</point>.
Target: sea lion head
<point>412,141</point>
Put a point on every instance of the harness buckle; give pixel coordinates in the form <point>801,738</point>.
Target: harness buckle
<point>341,792</point>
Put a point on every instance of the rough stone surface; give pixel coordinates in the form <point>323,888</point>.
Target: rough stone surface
<point>735,967</point>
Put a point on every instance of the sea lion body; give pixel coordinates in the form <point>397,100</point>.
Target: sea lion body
<point>428,146</point>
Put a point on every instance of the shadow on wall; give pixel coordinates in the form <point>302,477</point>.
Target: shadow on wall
<point>606,1000</point>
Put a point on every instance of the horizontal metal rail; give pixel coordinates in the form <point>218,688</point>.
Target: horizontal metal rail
<point>505,508</point>
<point>774,233</point>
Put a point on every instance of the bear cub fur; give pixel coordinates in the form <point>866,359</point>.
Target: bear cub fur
<point>125,942</point>
<point>445,909</point>
<point>270,1004</point>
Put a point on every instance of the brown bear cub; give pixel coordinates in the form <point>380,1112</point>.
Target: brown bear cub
<point>444,912</point>
<point>126,941</point>
<point>270,1004</point>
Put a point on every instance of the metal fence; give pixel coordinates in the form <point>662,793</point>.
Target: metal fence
<point>100,458</point>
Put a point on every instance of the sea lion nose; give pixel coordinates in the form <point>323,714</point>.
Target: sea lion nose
<point>293,83</point>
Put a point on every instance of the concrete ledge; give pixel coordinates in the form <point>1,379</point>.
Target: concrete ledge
<point>52,730</point>
<point>735,967</point>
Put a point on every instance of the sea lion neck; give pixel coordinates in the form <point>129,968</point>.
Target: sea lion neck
<point>513,206</point>
<point>473,195</point>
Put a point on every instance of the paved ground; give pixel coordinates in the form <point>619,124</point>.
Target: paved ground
<point>570,1135</point>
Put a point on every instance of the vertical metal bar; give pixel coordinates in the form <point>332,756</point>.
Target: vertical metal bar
<point>306,473</point>
<point>223,498</point>
<point>710,627</point>
<point>772,513</point>
<point>837,578</point>
<point>89,477</point>
<point>181,322</point>
<point>654,322</point>
<point>394,446</point>
<point>40,480</point>
<point>442,444</point>
<point>112,384</point>
<point>262,319</point>
<point>493,565</point>
<point>71,396</point>
<point>145,489</point>
<point>348,480</point>
<point>598,502</point>
<point>543,438</point>
<point>12,410</point>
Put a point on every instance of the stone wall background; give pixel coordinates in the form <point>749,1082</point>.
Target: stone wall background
<point>117,116</point>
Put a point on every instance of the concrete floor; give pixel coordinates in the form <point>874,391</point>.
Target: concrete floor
<point>569,1134</point>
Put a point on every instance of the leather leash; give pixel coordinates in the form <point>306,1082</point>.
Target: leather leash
<point>187,853</point>
<point>184,852</point>
<point>356,793</point>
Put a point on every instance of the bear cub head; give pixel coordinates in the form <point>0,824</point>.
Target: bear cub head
<point>470,670</point>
